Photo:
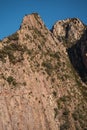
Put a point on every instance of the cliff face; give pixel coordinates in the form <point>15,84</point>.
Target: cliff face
<point>69,30</point>
<point>41,87</point>
<point>73,33</point>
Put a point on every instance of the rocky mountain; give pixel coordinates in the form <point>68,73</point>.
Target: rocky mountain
<point>43,76</point>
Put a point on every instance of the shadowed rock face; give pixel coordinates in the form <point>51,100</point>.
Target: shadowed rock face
<point>84,48</point>
<point>73,33</point>
<point>77,55</point>
<point>41,85</point>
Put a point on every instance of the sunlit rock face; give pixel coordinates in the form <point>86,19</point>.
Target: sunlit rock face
<point>69,29</point>
<point>41,85</point>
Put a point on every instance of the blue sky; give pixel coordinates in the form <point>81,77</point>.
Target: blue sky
<point>12,12</point>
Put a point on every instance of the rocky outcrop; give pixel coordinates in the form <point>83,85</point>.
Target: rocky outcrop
<point>69,30</point>
<point>73,33</point>
<point>39,88</point>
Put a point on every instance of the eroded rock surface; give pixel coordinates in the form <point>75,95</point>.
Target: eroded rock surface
<point>39,88</point>
<point>69,30</point>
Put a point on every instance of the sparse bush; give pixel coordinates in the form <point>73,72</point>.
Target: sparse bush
<point>24,83</point>
<point>55,55</point>
<point>11,80</point>
<point>9,51</point>
<point>53,80</point>
<point>66,112</point>
<point>48,66</point>
<point>75,116</point>
<point>27,36</point>
<point>29,52</point>
<point>55,112</point>
<point>54,93</point>
<point>64,98</point>
<point>65,126</point>
<point>14,37</point>
<point>39,47</point>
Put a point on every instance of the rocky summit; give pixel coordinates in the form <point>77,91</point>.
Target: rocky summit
<point>43,76</point>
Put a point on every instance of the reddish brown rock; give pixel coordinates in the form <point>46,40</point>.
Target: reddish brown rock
<point>39,88</point>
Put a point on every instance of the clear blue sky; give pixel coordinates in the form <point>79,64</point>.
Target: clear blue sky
<point>12,12</point>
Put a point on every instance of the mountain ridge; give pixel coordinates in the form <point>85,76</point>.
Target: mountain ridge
<point>40,84</point>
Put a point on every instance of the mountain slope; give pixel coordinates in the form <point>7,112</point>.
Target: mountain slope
<point>39,87</point>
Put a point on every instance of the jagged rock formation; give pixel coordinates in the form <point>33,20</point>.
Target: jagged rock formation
<point>39,87</point>
<point>69,30</point>
<point>74,35</point>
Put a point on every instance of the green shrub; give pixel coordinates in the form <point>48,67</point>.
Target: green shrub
<point>55,55</point>
<point>11,80</point>
<point>9,51</point>
<point>66,112</point>
<point>27,36</point>
<point>14,36</point>
<point>55,112</point>
<point>48,66</point>
<point>75,116</point>
<point>65,126</point>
